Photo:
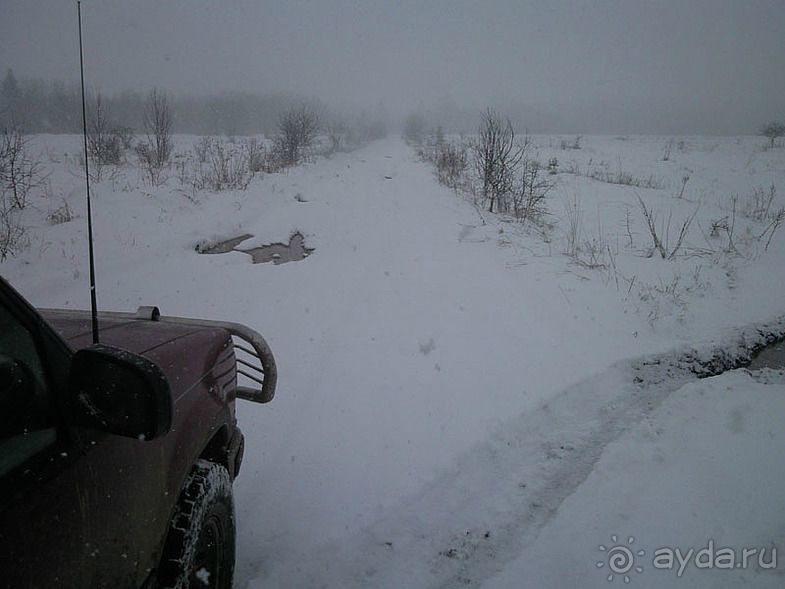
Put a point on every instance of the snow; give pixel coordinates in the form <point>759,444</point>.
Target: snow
<point>433,359</point>
<point>702,468</point>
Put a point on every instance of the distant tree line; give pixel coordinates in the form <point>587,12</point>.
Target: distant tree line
<point>40,106</point>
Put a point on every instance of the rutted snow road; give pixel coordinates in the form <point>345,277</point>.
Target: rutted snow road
<point>406,338</point>
<point>411,336</point>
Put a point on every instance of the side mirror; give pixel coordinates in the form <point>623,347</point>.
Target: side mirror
<point>119,392</point>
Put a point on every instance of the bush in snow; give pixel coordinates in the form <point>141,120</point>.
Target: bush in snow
<point>510,180</point>
<point>297,128</point>
<point>19,174</point>
<point>104,145</point>
<point>19,171</point>
<point>61,214</point>
<point>528,196</point>
<point>773,131</point>
<point>660,235</point>
<point>496,160</point>
<point>255,154</point>
<point>155,151</point>
<point>12,233</point>
<point>758,204</point>
<point>125,135</point>
<point>219,165</point>
<point>451,161</point>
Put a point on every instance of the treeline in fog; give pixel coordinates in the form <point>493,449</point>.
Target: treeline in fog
<point>43,106</point>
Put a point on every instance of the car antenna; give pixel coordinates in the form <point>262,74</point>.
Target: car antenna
<point>93,304</point>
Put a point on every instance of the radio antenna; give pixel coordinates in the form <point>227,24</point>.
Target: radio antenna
<point>93,304</point>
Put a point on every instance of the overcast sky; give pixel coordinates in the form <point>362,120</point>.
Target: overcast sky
<point>711,66</point>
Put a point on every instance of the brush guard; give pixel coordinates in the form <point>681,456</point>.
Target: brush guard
<point>257,362</point>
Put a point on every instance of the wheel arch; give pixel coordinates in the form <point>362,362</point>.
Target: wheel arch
<point>216,449</point>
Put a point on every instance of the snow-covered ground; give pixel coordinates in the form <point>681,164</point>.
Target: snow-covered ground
<point>701,474</point>
<point>457,398</point>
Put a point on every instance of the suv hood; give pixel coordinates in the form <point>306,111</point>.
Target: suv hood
<point>135,335</point>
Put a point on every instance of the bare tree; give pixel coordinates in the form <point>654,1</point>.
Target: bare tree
<point>12,232</point>
<point>297,128</point>
<point>496,160</point>
<point>156,151</point>
<point>19,171</point>
<point>158,126</point>
<point>104,145</point>
<point>773,130</point>
<point>528,198</point>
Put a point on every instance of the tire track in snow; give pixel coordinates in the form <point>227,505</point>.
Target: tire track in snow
<point>493,501</point>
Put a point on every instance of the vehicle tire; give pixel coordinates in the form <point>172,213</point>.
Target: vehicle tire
<point>199,550</point>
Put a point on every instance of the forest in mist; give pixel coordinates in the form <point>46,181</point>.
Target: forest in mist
<point>41,106</point>
<point>54,106</point>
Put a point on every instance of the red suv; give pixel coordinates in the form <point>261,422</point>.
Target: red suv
<point>117,459</point>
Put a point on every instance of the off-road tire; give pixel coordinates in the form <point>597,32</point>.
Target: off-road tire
<point>202,533</point>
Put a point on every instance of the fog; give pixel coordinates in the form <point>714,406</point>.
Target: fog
<point>605,66</point>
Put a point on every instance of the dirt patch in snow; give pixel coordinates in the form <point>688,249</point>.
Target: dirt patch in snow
<point>772,356</point>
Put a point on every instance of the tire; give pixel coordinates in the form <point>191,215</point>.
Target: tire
<point>199,550</point>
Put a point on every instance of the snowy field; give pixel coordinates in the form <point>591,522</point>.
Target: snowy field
<point>461,402</point>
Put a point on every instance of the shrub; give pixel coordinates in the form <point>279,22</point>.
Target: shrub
<point>773,130</point>
<point>61,214</point>
<point>255,154</point>
<point>12,233</point>
<point>156,150</point>
<point>19,171</point>
<point>496,160</point>
<point>758,205</point>
<point>219,165</point>
<point>104,146</point>
<point>125,135</point>
<point>19,174</point>
<point>528,198</point>
<point>660,244</point>
<point>451,161</point>
<point>297,128</point>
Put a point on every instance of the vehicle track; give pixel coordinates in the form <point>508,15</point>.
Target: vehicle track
<point>493,501</point>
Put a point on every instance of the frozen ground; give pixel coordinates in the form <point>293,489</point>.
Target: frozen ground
<point>446,375</point>
<point>702,468</point>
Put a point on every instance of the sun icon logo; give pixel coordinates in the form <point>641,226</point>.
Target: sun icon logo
<point>620,559</point>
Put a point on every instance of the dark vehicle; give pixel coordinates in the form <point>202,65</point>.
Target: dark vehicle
<point>117,459</point>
